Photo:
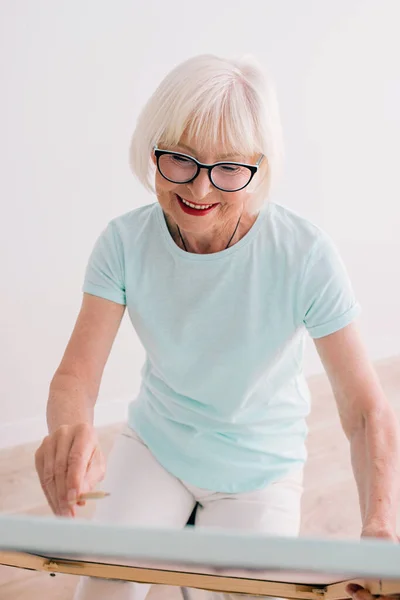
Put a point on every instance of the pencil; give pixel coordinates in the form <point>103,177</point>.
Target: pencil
<point>98,495</point>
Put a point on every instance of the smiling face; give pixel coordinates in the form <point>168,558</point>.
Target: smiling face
<point>199,206</point>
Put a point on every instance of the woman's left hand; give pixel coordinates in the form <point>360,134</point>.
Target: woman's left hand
<point>372,531</point>
<point>379,531</point>
<point>359,593</point>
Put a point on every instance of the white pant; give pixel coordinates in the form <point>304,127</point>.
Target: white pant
<point>143,493</point>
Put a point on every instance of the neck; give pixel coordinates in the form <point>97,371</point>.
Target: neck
<point>215,239</point>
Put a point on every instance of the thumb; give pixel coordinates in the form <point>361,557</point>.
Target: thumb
<point>94,473</point>
<point>353,588</point>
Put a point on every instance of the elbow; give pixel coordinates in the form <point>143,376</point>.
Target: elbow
<point>379,419</point>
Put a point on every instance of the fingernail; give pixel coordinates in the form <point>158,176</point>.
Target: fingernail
<point>352,588</point>
<point>71,496</point>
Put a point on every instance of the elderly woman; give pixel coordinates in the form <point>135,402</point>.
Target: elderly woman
<point>221,286</point>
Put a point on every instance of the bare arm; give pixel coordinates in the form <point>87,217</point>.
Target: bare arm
<point>75,385</point>
<point>370,425</point>
<point>69,460</point>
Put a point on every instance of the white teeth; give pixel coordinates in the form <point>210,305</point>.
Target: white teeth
<point>203,207</point>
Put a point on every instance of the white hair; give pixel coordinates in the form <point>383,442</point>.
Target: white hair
<point>214,100</point>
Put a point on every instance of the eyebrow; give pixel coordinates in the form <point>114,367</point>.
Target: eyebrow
<point>221,157</point>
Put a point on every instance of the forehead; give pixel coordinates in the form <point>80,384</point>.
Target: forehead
<point>211,150</point>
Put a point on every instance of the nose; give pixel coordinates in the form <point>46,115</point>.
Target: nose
<point>201,186</point>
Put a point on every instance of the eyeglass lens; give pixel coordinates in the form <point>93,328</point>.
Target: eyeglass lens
<point>181,169</point>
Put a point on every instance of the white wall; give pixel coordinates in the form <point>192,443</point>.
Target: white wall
<point>73,78</point>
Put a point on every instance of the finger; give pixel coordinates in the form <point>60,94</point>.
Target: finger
<point>63,446</point>
<point>95,471</point>
<point>48,482</point>
<point>357,592</point>
<point>79,456</point>
<point>39,464</point>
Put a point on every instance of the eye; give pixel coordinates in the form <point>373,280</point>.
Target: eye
<point>182,160</point>
<point>230,169</point>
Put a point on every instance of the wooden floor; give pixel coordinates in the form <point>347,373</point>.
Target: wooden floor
<point>330,505</point>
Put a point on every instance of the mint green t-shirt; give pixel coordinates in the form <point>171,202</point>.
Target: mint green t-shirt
<point>223,397</point>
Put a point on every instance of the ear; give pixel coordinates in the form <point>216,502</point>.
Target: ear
<point>153,158</point>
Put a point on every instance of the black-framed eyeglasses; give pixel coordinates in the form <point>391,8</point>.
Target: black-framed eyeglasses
<point>225,176</point>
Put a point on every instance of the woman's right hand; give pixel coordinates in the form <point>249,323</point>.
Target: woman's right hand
<point>69,463</point>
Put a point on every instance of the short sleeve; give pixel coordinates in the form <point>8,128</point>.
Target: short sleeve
<point>327,297</point>
<point>105,275</point>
